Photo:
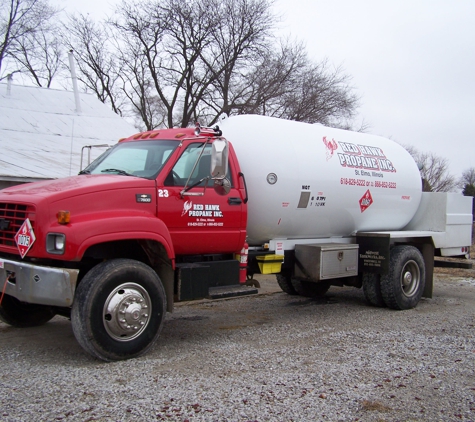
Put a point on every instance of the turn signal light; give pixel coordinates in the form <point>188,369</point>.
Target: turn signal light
<point>63,217</point>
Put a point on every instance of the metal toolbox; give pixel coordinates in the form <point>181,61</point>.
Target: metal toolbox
<point>326,261</point>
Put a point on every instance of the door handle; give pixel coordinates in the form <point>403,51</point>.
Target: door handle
<point>234,201</point>
<point>240,174</point>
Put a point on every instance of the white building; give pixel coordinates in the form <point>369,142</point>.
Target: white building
<point>42,133</point>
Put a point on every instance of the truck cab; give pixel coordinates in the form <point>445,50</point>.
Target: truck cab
<point>157,218</point>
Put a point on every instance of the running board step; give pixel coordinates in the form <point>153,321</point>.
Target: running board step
<point>234,290</point>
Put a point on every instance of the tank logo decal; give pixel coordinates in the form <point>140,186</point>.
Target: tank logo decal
<point>359,156</point>
<point>331,147</point>
<point>365,201</point>
<point>25,238</point>
<point>203,215</point>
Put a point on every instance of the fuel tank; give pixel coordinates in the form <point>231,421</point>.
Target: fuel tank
<point>308,181</point>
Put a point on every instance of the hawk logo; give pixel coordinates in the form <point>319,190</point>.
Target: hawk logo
<point>331,147</point>
<point>187,207</point>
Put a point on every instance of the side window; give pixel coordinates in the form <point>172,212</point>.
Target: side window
<point>186,165</point>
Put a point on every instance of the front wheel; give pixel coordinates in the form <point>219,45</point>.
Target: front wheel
<point>118,310</point>
<point>403,286</point>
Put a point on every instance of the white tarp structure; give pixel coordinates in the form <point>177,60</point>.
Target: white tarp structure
<point>42,134</point>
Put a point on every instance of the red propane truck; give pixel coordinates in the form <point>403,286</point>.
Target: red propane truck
<point>180,214</point>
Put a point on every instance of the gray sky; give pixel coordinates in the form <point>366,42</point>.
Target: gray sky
<point>412,63</point>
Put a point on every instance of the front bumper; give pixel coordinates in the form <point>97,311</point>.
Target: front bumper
<point>38,284</point>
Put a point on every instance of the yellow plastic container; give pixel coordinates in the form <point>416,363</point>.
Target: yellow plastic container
<point>270,264</point>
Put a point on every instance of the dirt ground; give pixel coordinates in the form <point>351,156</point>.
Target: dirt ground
<point>268,357</point>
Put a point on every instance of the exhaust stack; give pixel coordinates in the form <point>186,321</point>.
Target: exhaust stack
<point>9,84</point>
<point>75,81</point>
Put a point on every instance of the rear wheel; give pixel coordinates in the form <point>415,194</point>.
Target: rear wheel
<point>119,309</point>
<point>403,286</point>
<point>285,283</point>
<point>22,315</point>
<point>310,288</point>
<point>372,289</point>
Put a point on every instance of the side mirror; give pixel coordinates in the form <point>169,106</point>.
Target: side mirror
<point>222,187</point>
<point>219,159</point>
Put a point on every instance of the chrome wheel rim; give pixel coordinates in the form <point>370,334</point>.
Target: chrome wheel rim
<point>126,312</point>
<point>410,278</point>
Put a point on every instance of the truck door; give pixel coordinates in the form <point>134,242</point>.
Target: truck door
<point>201,221</point>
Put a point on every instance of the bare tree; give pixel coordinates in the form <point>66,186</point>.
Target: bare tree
<point>177,63</point>
<point>242,44</point>
<point>183,52</point>
<point>468,177</point>
<point>315,93</point>
<point>467,182</point>
<point>24,24</point>
<point>434,171</point>
<point>99,68</point>
<point>260,87</point>
<point>39,55</point>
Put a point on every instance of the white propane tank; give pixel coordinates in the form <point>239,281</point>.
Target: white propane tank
<point>308,181</point>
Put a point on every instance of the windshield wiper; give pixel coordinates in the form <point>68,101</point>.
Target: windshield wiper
<point>84,172</point>
<point>121,172</point>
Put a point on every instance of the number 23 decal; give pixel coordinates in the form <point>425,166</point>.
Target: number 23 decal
<point>163,193</point>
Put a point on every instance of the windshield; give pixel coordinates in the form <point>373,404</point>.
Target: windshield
<point>137,158</point>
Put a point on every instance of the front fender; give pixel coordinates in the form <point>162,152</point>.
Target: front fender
<point>93,232</point>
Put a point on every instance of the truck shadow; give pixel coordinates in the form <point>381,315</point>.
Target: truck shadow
<point>208,322</point>
<point>192,325</point>
<point>53,342</point>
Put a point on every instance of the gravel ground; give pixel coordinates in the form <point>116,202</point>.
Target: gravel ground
<point>269,357</point>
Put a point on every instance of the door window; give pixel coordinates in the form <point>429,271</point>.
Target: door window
<point>195,161</point>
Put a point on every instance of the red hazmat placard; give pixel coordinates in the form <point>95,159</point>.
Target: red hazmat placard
<point>366,201</point>
<point>25,238</point>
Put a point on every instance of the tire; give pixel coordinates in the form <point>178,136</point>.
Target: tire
<point>310,288</point>
<point>23,315</point>
<point>285,283</point>
<point>403,286</point>
<point>118,310</point>
<point>372,289</point>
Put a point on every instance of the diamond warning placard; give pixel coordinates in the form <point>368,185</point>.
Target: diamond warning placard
<point>366,200</point>
<point>25,238</point>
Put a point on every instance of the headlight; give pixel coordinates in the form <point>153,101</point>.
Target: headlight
<point>55,243</point>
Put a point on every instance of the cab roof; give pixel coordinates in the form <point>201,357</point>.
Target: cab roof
<point>176,133</point>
